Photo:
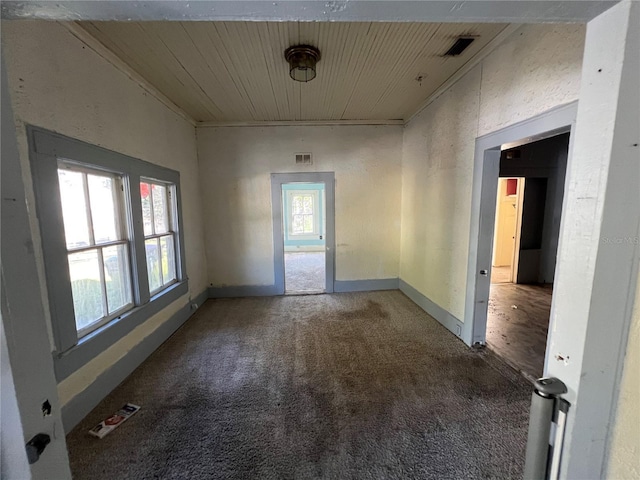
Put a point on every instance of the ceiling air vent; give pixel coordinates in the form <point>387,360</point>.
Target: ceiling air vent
<point>303,158</point>
<point>459,46</point>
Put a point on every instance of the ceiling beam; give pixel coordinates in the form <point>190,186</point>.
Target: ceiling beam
<point>476,11</point>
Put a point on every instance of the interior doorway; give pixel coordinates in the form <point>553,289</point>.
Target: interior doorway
<point>527,226</point>
<point>507,229</point>
<point>303,211</point>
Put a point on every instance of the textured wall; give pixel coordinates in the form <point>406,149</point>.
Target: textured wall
<point>537,68</point>
<point>235,168</point>
<point>624,453</point>
<point>59,83</point>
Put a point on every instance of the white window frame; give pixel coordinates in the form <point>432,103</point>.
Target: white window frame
<point>46,149</point>
<point>316,214</point>
<point>123,234</point>
<point>171,218</point>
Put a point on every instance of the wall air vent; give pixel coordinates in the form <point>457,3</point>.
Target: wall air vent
<point>459,46</point>
<point>304,159</point>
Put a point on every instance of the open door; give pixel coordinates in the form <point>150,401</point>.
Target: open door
<point>504,267</point>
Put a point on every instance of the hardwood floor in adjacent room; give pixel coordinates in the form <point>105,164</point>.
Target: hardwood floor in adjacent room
<point>517,325</point>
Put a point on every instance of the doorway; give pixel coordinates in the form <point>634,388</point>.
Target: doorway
<point>525,241</point>
<point>507,229</point>
<point>303,210</point>
<point>535,251</point>
<point>304,213</point>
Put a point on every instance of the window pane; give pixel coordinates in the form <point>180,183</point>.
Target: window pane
<point>308,224</point>
<point>84,269</point>
<point>103,210</point>
<point>116,275</point>
<point>297,224</point>
<point>160,210</point>
<point>153,263</point>
<point>145,194</point>
<point>74,208</point>
<point>308,204</point>
<point>168,259</point>
<point>297,204</point>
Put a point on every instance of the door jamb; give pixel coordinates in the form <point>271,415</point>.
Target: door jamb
<point>516,243</point>
<point>277,180</point>
<point>483,205</point>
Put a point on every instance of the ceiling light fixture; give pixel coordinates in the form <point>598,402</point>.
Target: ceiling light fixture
<point>302,62</point>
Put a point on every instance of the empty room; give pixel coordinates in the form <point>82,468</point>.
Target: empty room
<point>361,239</point>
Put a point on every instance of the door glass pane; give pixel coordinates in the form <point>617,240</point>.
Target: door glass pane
<point>145,194</point>
<point>153,263</point>
<point>86,289</point>
<point>116,275</point>
<point>103,210</point>
<point>168,259</point>
<point>160,210</point>
<point>74,208</point>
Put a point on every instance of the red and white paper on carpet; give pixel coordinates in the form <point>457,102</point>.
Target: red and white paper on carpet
<point>114,421</point>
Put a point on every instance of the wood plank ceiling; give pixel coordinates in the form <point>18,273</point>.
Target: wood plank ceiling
<point>236,71</point>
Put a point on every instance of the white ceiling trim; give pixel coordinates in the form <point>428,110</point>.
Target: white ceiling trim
<point>298,123</point>
<point>95,45</point>
<point>475,60</point>
<point>434,11</point>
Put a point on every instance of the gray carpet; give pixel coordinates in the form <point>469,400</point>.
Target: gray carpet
<point>304,272</point>
<point>343,386</point>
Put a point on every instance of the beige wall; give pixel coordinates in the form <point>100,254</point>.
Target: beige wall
<point>61,84</point>
<point>235,168</point>
<point>624,453</point>
<point>537,68</point>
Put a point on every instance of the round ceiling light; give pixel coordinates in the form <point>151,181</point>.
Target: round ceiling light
<point>302,62</point>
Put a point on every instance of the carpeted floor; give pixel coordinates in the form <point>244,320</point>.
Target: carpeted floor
<point>304,272</point>
<point>343,386</point>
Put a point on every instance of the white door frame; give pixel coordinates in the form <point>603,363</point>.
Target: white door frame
<point>483,207</point>
<point>24,325</point>
<point>279,179</point>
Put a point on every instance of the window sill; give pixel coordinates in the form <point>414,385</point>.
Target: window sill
<point>96,342</point>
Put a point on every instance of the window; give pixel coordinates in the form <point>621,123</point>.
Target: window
<point>97,244</point>
<point>112,243</point>
<point>302,213</point>
<point>157,215</point>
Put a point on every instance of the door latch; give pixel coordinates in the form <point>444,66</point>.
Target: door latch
<point>484,273</point>
<point>36,446</point>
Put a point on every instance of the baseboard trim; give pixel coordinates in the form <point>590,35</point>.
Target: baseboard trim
<point>243,291</point>
<point>342,286</point>
<point>449,321</point>
<point>79,406</point>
